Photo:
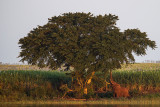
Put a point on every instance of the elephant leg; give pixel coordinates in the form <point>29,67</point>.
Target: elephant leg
<point>114,94</point>
<point>117,95</point>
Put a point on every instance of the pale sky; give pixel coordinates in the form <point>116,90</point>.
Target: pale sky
<point>19,17</point>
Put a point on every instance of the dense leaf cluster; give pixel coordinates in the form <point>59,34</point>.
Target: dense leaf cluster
<point>84,41</point>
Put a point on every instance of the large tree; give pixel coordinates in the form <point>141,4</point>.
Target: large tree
<point>86,42</point>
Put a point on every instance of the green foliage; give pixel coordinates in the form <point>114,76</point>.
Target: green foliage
<point>83,41</point>
<point>139,77</point>
<point>26,85</point>
<point>45,85</point>
<point>99,80</point>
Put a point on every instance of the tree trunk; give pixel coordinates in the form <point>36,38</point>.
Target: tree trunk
<point>111,79</point>
<point>85,90</point>
<point>88,81</point>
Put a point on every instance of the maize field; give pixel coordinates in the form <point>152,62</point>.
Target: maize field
<point>29,83</point>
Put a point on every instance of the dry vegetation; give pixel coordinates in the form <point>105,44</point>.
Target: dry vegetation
<point>141,67</point>
<point>20,67</point>
<point>130,67</point>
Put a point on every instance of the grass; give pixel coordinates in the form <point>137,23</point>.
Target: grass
<point>21,67</point>
<point>130,67</point>
<point>140,80</point>
<point>100,101</point>
<point>26,85</point>
<point>141,67</point>
<point>43,86</point>
<point>140,77</point>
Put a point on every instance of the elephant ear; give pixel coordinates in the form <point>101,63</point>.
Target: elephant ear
<point>114,83</point>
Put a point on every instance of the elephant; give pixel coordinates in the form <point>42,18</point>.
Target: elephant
<point>118,91</point>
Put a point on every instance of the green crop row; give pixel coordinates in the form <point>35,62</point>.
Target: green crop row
<point>28,85</point>
<point>138,80</point>
<point>31,84</point>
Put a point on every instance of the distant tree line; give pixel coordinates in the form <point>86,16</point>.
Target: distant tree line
<point>151,61</point>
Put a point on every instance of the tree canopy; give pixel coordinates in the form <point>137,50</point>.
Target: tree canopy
<point>84,41</point>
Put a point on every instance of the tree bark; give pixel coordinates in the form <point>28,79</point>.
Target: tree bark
<point>88,81</point>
